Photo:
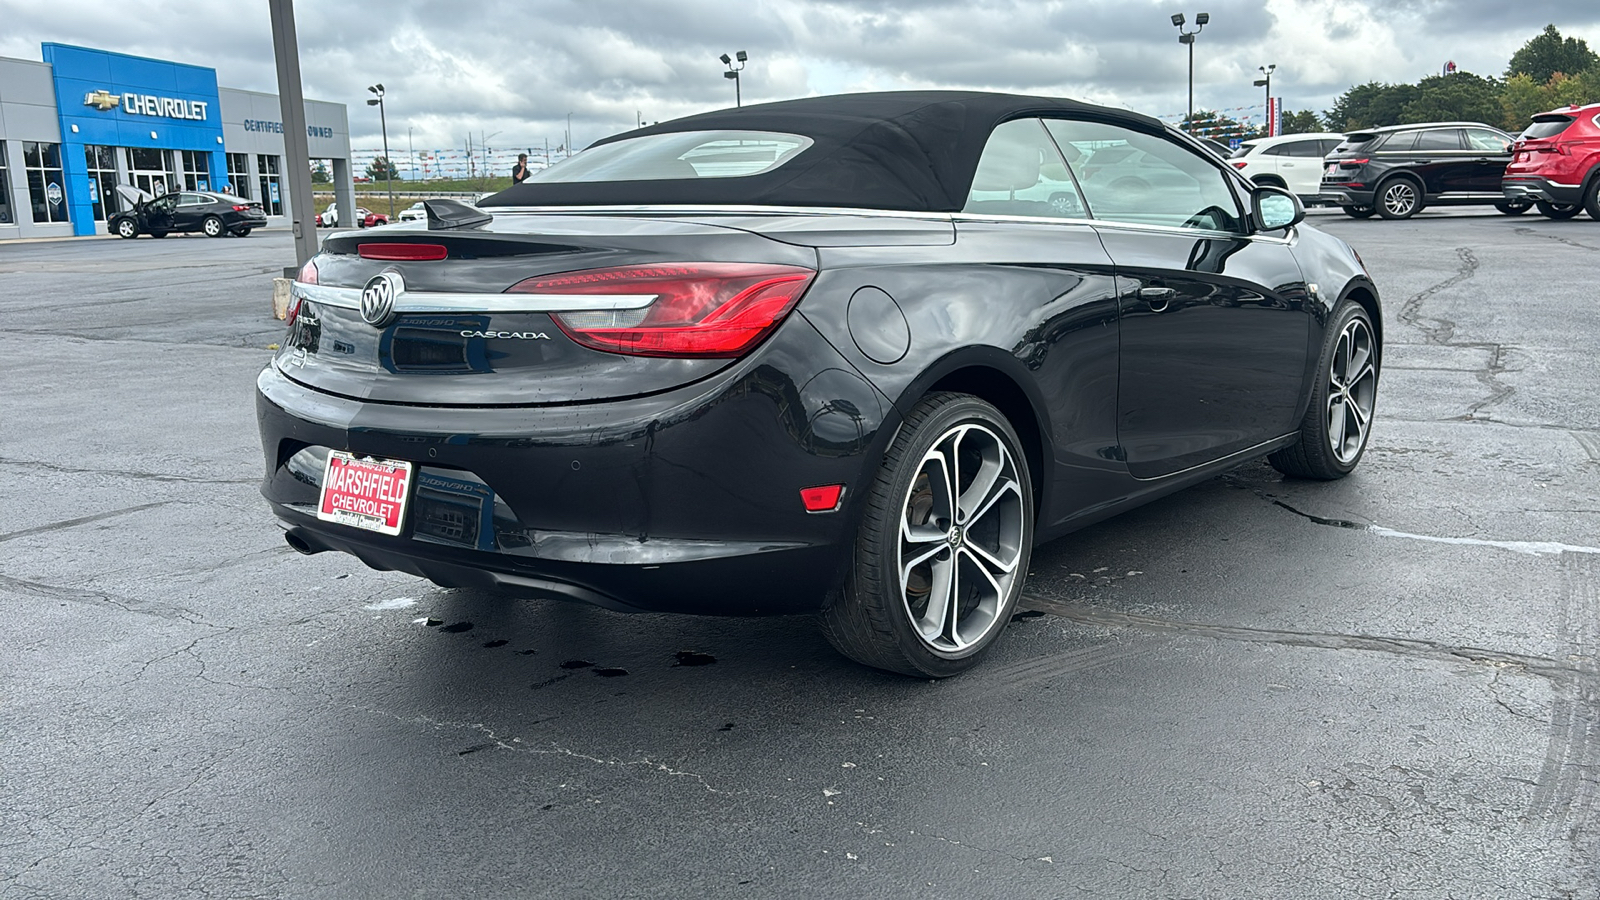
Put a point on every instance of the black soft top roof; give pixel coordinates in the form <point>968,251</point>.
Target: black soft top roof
<point>903,150</point>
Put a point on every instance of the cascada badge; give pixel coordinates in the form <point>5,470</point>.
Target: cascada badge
<point>377,298</point>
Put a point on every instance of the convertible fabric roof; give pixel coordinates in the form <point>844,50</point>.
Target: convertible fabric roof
<point>903,150</point>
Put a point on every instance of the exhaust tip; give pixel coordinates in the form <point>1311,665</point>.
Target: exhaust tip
<point>299,543</point>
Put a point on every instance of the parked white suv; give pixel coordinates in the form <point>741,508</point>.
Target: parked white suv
<point>1292,161</point>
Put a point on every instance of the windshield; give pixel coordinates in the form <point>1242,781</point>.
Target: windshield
<point>680,155</point>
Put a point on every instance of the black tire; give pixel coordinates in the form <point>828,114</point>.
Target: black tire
<point>1591,196</point>
<point>1398,197</point>
<point>240,232</point>
<point>127,228</point>
<point>1513,209</point>
<point>891,621</point>
<point>158,234</point>
<point>213,227</point>
<point>1358,212</point>
<point>1558,211</point>
<point>1323,452</point>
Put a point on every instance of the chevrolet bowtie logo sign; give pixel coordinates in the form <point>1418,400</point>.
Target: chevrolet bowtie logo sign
<point>102,100</point>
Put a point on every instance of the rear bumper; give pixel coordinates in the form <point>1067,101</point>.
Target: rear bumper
<point>1344,196</point>
<point>685,501</point>
<point>1522,188</point>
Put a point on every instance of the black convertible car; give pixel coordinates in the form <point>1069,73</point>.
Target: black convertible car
<point>852,354</point>
<point>208,212</point>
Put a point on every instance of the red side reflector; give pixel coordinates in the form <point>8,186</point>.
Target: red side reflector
<point>403,251</point>
<point>821,499</point>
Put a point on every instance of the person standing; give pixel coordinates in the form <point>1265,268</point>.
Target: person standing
<point>520,172</point>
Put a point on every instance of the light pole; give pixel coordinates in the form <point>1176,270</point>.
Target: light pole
<point>733,72</point>
<point>1266,81</point>
<point>388,164</point>
<point>1187,37</point>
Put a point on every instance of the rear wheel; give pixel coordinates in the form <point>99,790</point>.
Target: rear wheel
<point>1358,212</point>
<point>126,228</point>
<point>1591,197</point>
<point>1333,435</point>
<point>158,234</point>
<point>943,547</point>
<point>1399,198</point>
<point>1513,209</point>
<point>241,232</point>
<point>213,227</point>
<point>1557,210</point>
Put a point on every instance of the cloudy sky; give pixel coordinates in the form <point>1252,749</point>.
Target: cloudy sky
<point>514,70</point>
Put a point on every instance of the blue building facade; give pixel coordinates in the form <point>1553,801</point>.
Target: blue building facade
<point>114,100</point>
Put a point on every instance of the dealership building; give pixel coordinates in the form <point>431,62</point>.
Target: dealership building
<point>83,121</point>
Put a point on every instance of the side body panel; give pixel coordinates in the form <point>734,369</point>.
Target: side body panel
<point>1214,340</point>
<point>1032,301</point>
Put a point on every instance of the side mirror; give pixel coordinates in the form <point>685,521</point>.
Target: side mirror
<point>1274,208</point>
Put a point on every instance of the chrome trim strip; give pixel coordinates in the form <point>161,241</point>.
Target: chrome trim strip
<point>433,302</point>
<point>698,209</point>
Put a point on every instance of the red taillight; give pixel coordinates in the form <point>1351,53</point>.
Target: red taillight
<point>403,251</point>
<point>1353,163</point>
<point>1239,164</point>
<point>824,498</point>
<point>308,275</point>
<point>700,309</point>
<point>238,208</point>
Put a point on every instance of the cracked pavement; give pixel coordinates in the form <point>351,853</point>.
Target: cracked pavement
<point>1383,687</point>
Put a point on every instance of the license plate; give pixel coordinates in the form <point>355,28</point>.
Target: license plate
<point>365,492</point>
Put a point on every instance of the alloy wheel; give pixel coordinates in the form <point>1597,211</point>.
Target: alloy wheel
<point>961,538</point>
<point>1400,199</point>
<point>1352,389</point>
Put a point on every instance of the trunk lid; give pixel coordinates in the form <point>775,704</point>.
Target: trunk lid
<point>479,345</point>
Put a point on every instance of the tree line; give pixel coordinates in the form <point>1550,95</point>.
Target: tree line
<point>1549,71</point>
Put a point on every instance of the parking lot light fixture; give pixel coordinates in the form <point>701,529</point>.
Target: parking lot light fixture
<point>1266,81</point>
<point>1187,37</point>
<point>388,164</point>
<point>733,72</point>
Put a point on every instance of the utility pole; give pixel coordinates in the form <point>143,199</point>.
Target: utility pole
<point>292,106</point>
<point>1187,37</point>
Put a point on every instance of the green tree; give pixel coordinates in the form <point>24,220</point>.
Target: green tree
<point>1303,122</point>
<point>319,173</point>
<point>380,170</point>
<point>1548,53</point>
<point>1371,105</point>
<point>1459,96</point>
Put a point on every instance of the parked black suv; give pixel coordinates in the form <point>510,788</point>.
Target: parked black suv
<point>206,211</point>
<point>1396,171</point>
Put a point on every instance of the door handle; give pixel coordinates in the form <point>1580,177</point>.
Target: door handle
<point>1158,298</point>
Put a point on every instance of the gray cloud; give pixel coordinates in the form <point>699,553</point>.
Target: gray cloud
<point>519,68</point>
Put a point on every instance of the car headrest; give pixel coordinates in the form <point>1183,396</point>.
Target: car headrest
<point>1007,167</point>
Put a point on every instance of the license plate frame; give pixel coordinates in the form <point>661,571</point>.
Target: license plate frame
<point>367,492</point>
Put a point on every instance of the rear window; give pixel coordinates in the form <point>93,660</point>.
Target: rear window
<point>1244,150</point>
<point>1546,127</point>
<point>1355,142</point>
<point>680,155</point>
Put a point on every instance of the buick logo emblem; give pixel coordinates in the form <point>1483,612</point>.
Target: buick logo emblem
<point>377,298</point>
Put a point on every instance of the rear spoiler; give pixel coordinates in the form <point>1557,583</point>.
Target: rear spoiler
<point>444,215</point>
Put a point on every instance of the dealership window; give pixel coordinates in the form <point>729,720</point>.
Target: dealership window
<point>196,170</point>
<point>271,198</point>
<point>102,165</point>
<point>5,189</point>
<point>239,174</point>
<point>151,170</point>
<point>46,187</point>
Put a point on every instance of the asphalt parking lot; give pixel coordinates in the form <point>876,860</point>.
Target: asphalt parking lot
<point>1383,687</point>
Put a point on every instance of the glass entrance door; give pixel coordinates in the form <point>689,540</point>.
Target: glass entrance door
<point>150,170</point>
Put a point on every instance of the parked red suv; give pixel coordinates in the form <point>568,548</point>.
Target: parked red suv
<point>1557,163</point>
